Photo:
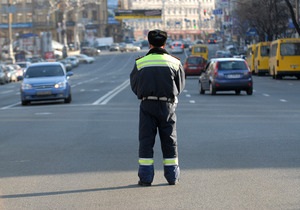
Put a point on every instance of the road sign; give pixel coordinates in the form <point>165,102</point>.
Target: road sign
<point>10,9</point>
<point>217,11</point>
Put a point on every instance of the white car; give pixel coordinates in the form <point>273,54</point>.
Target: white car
<point>23,64</point>
<point>177,47</point>
<point>85,59</point>
<point>73,60</point>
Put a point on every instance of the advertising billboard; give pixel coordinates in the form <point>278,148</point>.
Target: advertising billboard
<point>138,14</point>
<point>112,6</point>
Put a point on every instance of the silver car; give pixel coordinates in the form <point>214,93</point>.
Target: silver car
<point>177,47</point>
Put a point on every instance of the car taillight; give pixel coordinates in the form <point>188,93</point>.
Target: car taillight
<point>216,70</point>
<point>247,66</point>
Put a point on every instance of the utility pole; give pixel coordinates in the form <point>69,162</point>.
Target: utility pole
<point>10,10</point>
<point>297,15</point>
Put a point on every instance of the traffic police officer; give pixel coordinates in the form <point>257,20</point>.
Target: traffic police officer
<point>157,79</point>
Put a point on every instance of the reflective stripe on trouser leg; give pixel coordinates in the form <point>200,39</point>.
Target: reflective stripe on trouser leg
<point>146,170</point>
<point>171,169</point>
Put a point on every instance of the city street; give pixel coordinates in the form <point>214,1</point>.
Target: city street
<point>235,151</point>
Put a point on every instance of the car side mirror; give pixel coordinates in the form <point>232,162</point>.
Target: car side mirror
<point>69,74</point>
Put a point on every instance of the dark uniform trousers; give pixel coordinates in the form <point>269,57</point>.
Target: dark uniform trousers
<point>158,116</point>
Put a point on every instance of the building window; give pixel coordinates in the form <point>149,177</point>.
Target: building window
<point>94,15</point>
<point>29,17</point>
<point>4,18</point>
<point>20,18</point>
<point>84,14</point>
<point>41,17</point>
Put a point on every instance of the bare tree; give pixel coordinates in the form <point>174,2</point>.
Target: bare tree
<point>293,16</point>
<point>268,17</point>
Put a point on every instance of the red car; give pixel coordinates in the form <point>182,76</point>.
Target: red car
<point>194,65</point>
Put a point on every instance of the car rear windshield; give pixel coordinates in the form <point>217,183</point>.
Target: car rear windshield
<point>194,60</point>
<point>177,44</point>
<point>44,71</point>
<point>23,65</point>
<point>200,49</point>
<point>232,65</point>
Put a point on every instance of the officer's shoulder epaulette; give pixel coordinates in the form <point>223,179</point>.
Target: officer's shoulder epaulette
<point>139,58</point>
<point>175,57</point>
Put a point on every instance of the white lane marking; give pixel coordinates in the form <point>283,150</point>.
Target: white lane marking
<point>265,94</point>
<point>10,106</point>
<point>192,101</point>
<point>283,100</point>
<point>7,91</point>
<point>188,95</point>
<point>43,113</point>
<point>108,96</point>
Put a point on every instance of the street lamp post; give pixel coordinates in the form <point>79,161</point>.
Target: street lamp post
<point>11,9</point>
<point>297,15</point>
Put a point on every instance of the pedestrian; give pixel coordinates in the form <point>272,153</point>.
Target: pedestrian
<point>157,79</point>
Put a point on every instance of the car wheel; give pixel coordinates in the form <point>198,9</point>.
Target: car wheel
<point>250,91</point>
<point>238,92</point>
<point>202,91</point>
<point>212,89</point>
<point>24,103</point>
<point>69,99</point>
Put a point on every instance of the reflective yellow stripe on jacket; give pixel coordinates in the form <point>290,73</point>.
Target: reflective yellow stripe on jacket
<point>158,60</point>
<point>146,161</point>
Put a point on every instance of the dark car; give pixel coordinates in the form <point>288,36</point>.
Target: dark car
<point>194,65</point>
<point>212,41</point>
<point>226,74</point>
<point>90,51</point>
<point>46,81</point>
<point>3,75</point>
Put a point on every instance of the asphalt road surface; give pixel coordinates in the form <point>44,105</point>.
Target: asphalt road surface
<point>235,151</point>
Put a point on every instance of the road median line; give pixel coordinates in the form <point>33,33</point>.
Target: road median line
<point>108,96</point>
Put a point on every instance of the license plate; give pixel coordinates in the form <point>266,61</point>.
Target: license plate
<point>233,76</point>
<point>193,67</point>
<point>43,93</point>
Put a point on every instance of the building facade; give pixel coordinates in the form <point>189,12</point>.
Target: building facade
<point>182,19</point>
<point>67,20</point>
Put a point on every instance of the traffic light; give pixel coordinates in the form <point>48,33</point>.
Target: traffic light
<point>204,12</point>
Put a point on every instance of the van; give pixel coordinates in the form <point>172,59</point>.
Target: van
<point>285,58</point>
<point>261,58</point>
<point>250,57</point>
<point>200,49</point>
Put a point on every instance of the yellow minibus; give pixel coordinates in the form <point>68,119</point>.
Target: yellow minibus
<point>285,58</point>
<point>261,58</point>
<point>250,57</point>
<point>200,49</point>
